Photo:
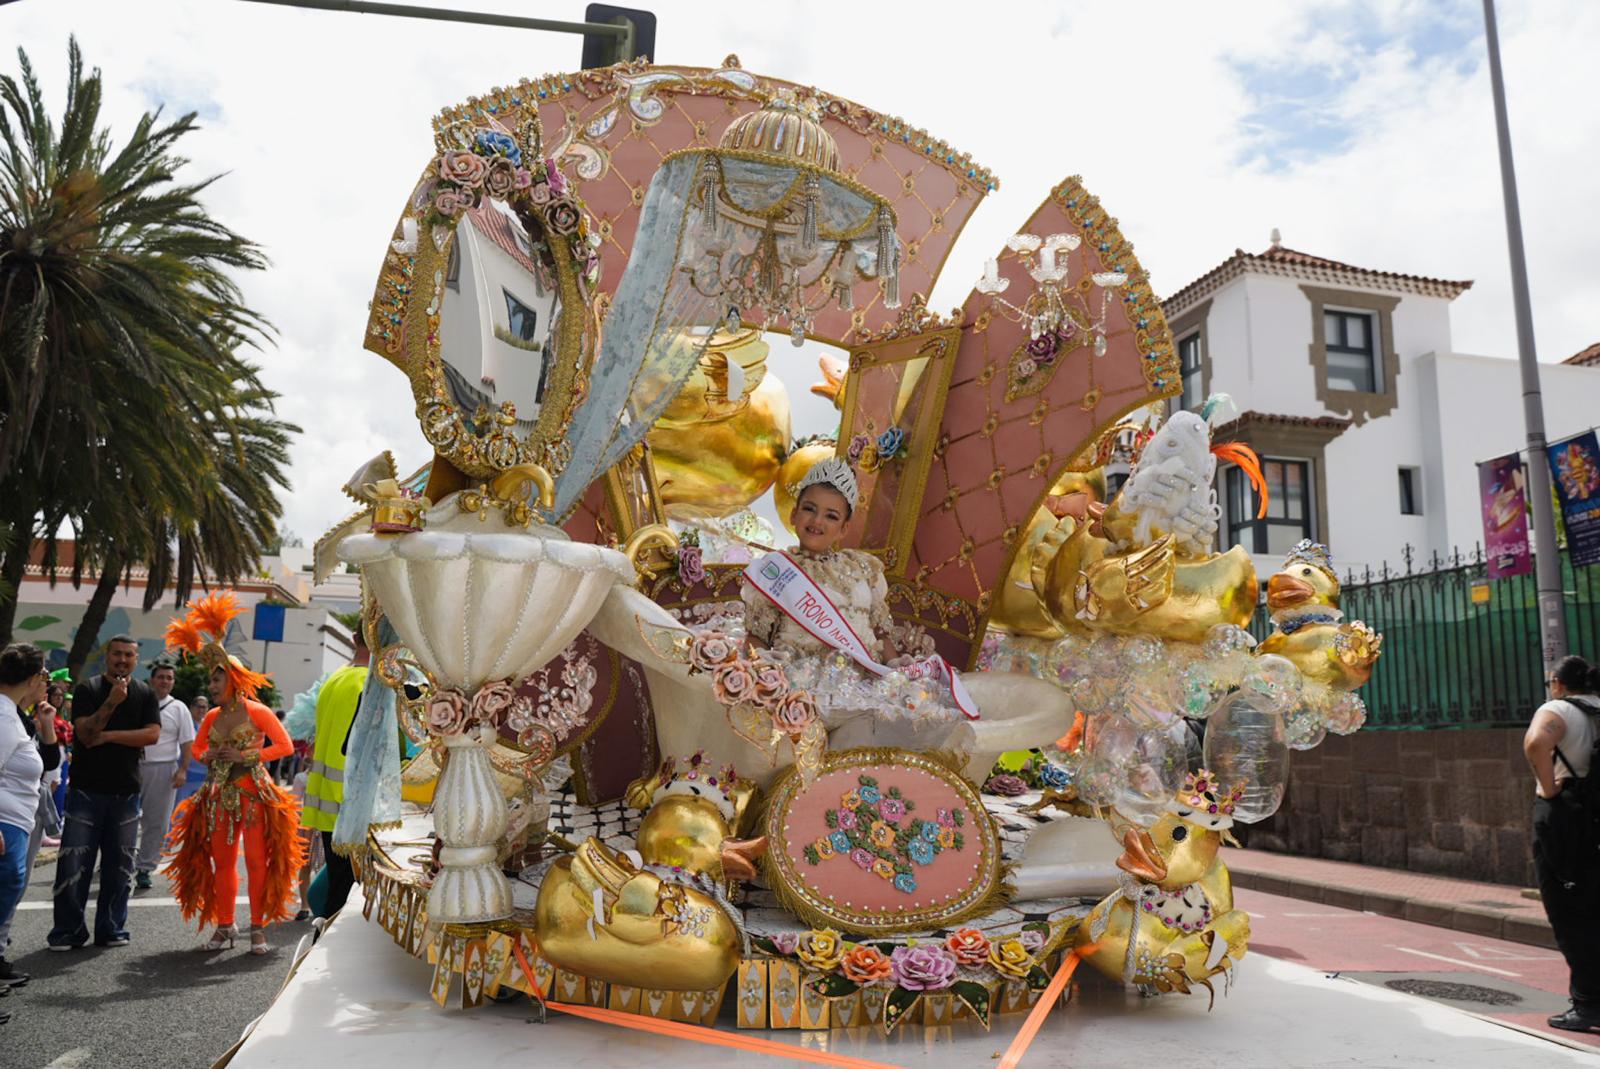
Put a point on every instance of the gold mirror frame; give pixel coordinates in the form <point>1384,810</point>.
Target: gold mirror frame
<point>406,316</point>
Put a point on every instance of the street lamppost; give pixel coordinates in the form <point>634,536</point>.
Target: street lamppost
<point>1547,561</point>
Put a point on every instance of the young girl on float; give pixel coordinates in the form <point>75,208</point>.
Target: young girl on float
<point>238,801</point>
<point>824,612</point>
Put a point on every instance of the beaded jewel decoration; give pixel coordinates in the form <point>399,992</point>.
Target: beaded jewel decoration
<point>1315,554</point>
<point>1203,800</point>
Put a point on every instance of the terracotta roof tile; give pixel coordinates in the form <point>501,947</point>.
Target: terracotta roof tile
<point>498,228</point>
<point>1280,260</point>
<point>1589,357</point>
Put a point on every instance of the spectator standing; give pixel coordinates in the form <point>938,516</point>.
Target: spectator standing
<point>39,724</point>
<point>337,700</point>
<point>22,685</point>
<point>196,773</point>
<point>163,768</point>
<point>1566,857</point>
<point>114,717</point>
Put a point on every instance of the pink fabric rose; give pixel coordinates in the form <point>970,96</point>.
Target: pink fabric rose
<point>892,809</point>
<point>463,168</point>
<point>732,683</point>
<point>524,179</point>
<point>446,712</point>
<point>796,712</point>
<point>1006,785</point>
<point>772,684</point>
<point>563,217</point>
<point>1031,939</point>
<point>970,946</point>
<point>786,942</point>
<point>924,967</point>
<point>448,202</point>
<point>861,858</point>
<point>691,565</point>
<point>710,650</point>
<point>553,175</point>
<point>493,701</point>
<point>501,177</point>
<point>539,193</point>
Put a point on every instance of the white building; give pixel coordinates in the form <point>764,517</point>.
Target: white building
<point>1369,425</point>
<point>314,641</point>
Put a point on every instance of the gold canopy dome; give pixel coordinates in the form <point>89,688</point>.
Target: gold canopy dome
<point>786,127</point>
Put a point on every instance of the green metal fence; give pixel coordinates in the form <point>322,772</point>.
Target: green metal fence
<point>1453,659</point>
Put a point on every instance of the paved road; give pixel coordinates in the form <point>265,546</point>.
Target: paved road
<point>1511,982</point>
<point>158,1003</point>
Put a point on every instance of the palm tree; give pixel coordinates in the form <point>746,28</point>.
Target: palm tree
<point>120,321</point>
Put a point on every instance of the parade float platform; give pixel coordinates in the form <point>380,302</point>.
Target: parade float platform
<point>353,1001</point>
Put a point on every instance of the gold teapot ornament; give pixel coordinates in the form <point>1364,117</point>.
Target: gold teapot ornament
<point>667,922</point>
<point>1172,923</point>
<point>1308,627</point>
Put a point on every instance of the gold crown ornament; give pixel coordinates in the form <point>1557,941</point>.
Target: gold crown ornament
<point>1203,800</point>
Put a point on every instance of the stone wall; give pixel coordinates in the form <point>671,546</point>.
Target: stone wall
<point>1454,803</point>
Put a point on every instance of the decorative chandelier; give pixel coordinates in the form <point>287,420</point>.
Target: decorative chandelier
<point>1051,308</point>
<point>775,231</point>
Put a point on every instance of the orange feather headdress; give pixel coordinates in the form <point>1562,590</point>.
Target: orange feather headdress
<point>1248,462</point>
<point>201,632</point>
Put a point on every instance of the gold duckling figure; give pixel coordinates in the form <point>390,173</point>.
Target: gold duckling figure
<point>1172,923</point>
<point>1144,565</point>
<point>1308,626</point>
<point>665,923</point>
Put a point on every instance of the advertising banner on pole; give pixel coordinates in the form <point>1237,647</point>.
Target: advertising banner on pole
<point>1505,517</point>
<point>1575,470</point>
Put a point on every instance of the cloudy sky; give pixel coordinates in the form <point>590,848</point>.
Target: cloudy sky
<point>1362,128</point>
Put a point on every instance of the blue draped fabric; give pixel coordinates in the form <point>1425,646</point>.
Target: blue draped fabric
<point>372,763</point>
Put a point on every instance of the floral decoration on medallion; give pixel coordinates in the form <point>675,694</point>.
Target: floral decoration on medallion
<point>874,828</point>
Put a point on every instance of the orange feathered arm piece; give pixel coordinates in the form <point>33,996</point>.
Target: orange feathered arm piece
<point>1242,455</point>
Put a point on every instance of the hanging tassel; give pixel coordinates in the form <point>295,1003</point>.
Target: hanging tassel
<point>808,225</point>
<point>888,260</point>
<point>845,296</point>
<point>1248,462</point>
<point>708,203</point>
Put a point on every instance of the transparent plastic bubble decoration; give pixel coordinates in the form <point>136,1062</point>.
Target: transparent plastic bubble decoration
<point>1156,698</point>
<point>1066,663</point>
<point>1226,639</point>
<point>1152,774</point>
<point>1245,746</point>
<point>1346,713</point>
<point>1276,679</point>
<point>1201,690</point>
<point>1303,727</point>
<point>1111,738</point>
<point>1097,781</point>
<point>1140,653</point>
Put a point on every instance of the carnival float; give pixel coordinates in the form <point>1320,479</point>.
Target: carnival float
<point>987,721</point>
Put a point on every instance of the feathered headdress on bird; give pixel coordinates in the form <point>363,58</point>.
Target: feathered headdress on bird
<point>1220,407</point>
<point>201,631</point>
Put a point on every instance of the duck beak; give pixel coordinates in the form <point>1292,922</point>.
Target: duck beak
<point>1140,857</point>
<point>1285,591</point>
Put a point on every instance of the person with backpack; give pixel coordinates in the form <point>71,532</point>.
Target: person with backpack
<point>1560,747</point>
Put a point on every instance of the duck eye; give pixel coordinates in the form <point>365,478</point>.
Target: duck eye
<point>1306,572</point>
<point>1180,833</point>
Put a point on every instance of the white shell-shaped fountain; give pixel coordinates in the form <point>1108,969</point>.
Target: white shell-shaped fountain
<point>477,599</point>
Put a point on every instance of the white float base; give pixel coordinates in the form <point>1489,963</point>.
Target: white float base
<point>360,1002</point>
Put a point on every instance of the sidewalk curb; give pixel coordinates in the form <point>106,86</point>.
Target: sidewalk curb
<point>1476,921</point>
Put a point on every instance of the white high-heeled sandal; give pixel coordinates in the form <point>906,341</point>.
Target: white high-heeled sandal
<point>258,941</point>
<point>223,937</point>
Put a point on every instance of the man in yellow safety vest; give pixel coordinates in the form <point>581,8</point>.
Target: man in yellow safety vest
<point>337,701</point>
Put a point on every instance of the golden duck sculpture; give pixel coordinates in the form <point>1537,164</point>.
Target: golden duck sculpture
<point>1144,565</point>
<point>720,443</point>
<point>1308,626</point>
<point>602,916</point>
<point>1172,922</point>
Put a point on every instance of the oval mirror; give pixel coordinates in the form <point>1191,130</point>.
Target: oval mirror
<point>486,300</point>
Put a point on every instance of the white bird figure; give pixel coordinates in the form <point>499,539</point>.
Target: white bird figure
<point>1171,486</point>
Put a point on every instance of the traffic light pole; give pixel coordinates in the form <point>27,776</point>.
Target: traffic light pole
<point>622,31</point>
<point>1547,558</point>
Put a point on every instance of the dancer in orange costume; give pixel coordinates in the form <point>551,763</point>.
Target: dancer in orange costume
<point>238,800</point>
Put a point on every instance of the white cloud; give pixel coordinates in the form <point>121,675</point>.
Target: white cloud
<point>1171,111</point>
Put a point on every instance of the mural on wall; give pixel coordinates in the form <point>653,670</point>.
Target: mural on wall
<point>53,633</point>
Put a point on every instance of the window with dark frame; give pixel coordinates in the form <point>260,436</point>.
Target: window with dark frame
<point>1352,352</point>
<point>1410,499</point>
<point>1289,512</point>
<point>1189,358</point>
<point>521,321</point>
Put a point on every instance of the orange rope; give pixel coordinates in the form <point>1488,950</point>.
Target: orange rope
<point>1248,462</point>
<point>1030,1027</point>
<point>692,1032</point>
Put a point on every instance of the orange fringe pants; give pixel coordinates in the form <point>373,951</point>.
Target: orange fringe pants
<point>205,866</point>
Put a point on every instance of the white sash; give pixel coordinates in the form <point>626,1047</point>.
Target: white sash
<point>784,583</point>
